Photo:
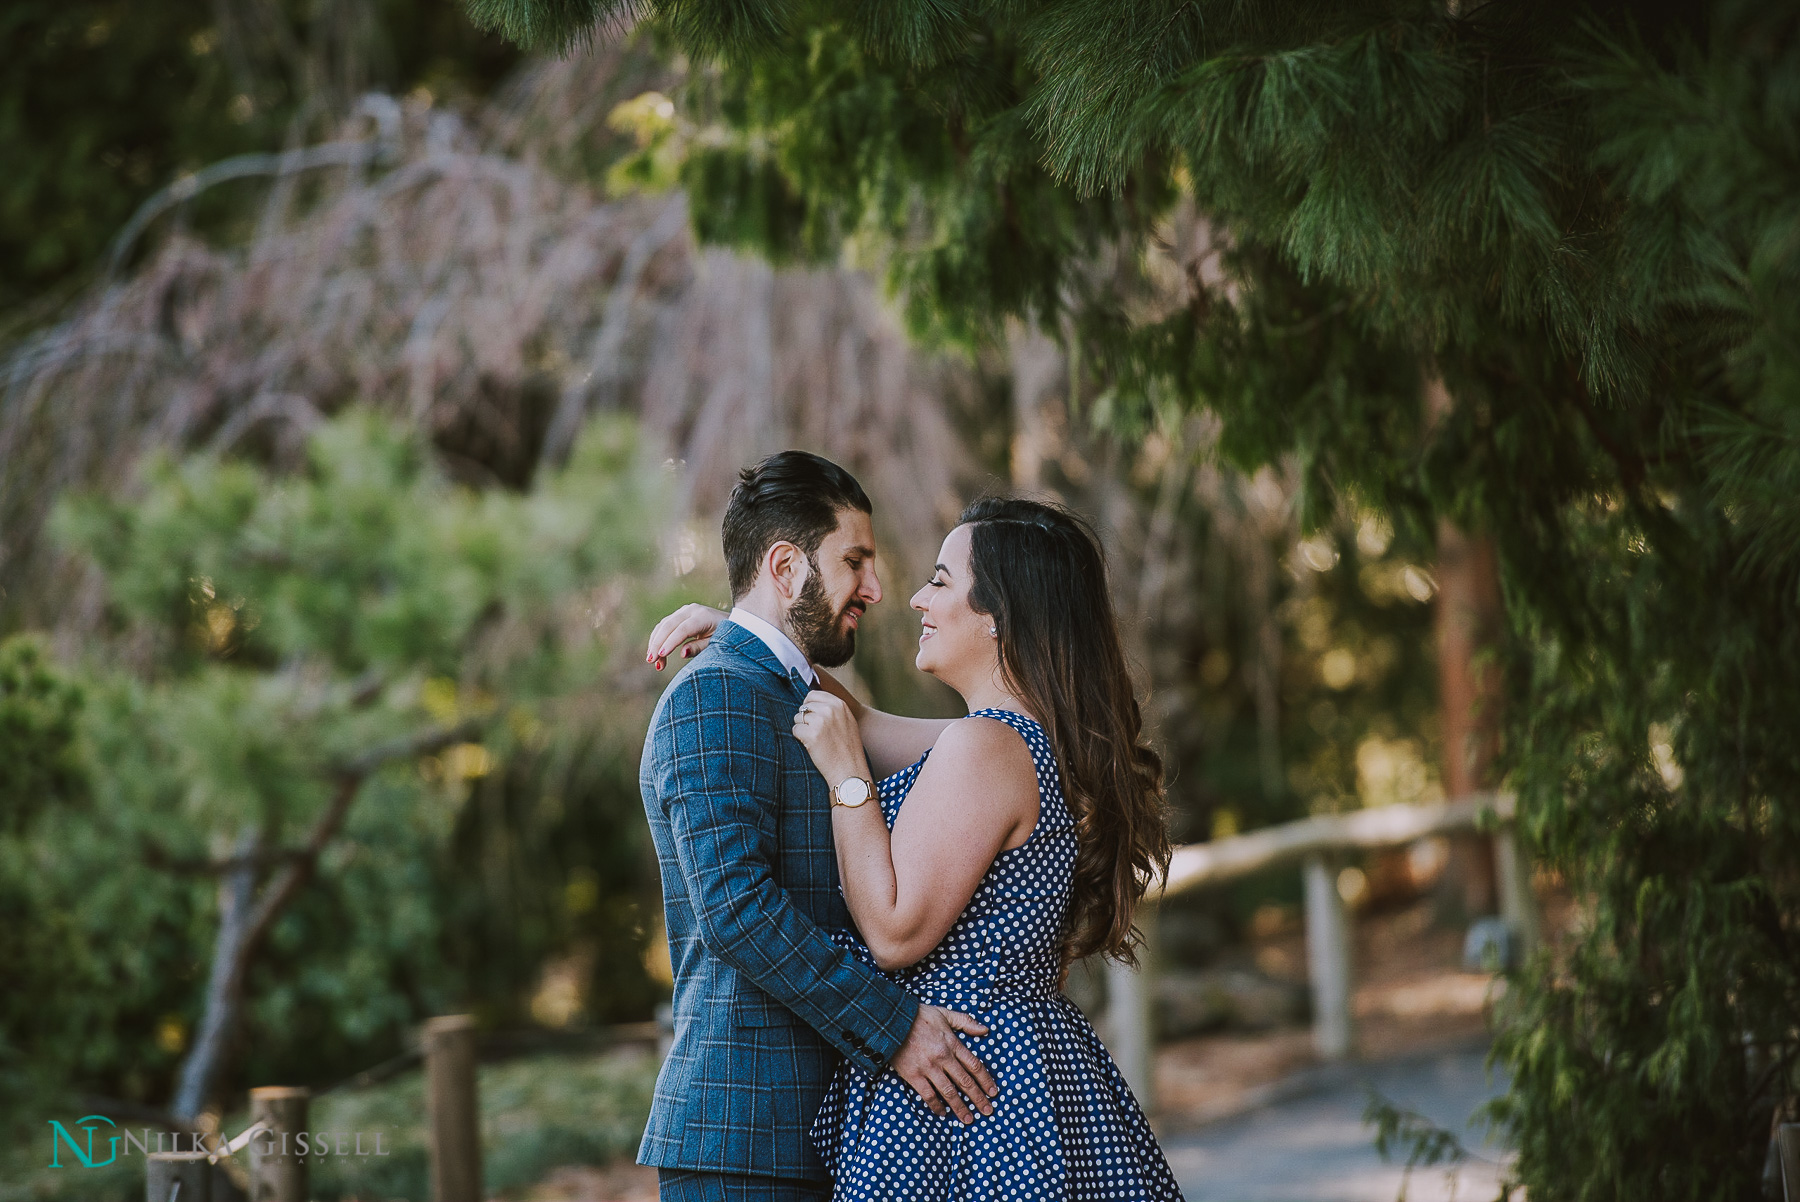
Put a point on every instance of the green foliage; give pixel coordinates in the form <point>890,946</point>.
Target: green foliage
<point>40,759</point>
<point>1397,1130</point>
<point>555,24</point>
<point>102,950</point>
<point>266,631</point>
<point>103,102</point>
<point>537,1114</point>
<point>1581,217</point>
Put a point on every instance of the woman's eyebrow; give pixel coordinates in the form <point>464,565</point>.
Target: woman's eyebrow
<point>941,568</point>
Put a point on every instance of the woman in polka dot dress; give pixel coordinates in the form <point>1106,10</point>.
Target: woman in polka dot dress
<point>1003,846</point>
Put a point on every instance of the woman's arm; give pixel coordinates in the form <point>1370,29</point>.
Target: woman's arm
<point>976,796</point>
<point>892,740</point>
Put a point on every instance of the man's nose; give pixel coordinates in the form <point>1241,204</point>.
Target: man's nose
<point>871,589</point>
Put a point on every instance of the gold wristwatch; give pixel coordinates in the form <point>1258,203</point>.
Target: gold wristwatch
<point>852,792</point>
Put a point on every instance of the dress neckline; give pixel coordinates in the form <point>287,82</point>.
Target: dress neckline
<point>991,710</point>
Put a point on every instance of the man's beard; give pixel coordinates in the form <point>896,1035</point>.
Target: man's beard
<point>815,627</point>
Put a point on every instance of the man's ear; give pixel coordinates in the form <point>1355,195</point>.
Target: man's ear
<point>787,568</point>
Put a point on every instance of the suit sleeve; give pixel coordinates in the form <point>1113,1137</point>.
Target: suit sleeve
<point>721,768</point>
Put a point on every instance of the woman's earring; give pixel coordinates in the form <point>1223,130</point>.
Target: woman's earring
<point>994,631</point>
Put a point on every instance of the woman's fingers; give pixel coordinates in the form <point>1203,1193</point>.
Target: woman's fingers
<point>827,707</point>
<point>692,624</point>
<point>659,634</point>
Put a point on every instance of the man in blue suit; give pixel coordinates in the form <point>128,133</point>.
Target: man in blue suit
<point>765,1002</point>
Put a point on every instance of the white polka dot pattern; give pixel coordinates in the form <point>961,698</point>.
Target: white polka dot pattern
<point>1065,1125</point>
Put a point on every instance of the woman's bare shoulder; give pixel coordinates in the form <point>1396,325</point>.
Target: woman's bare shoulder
<point>987,746</point>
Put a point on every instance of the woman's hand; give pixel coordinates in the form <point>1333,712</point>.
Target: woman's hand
<point>692,624</point>
<point>827,728</point>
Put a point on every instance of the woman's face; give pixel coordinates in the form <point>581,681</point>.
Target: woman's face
<point>954,644</point>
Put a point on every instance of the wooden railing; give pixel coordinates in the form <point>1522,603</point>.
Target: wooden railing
<point>1314,844</point>
<point>278,1172</point>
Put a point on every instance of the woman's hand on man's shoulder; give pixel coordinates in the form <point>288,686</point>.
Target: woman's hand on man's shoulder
<point>693,625</point>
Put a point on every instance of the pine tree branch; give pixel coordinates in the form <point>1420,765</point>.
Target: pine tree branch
<point>245,917</point>
<point>350,777</point>
<point>1631,466</point>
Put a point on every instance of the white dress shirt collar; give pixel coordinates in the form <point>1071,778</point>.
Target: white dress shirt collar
<point>790,656</point>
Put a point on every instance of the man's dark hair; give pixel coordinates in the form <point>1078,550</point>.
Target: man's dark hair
<point>792,496</point>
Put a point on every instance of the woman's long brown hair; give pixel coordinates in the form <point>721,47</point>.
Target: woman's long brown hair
<point>1040,574</point>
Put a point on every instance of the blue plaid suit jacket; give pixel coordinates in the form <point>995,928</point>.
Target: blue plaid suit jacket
<point>765,1002</point>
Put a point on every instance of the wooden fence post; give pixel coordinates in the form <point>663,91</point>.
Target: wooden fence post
<point>452,1111</point>
<point>1130,994</point>
<point>277,1170</point>
<point>1328,959</point>
<point>1517,904</point>
<point>178,1177</point>
<point>1787,1146</point>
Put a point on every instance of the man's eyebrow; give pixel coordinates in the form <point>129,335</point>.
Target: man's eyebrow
<point>865,552</point>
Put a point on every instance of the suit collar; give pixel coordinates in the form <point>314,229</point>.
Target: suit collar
<point>732,637</point>
<point>789,656</point>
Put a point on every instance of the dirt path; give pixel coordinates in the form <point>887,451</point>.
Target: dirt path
<point>1314,1146</point>
<point>1412,998</point>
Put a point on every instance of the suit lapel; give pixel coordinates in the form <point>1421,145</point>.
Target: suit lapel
<point>798,683</point>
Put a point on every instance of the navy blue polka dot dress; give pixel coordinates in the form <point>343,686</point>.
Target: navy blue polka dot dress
<point>1065,1125</point>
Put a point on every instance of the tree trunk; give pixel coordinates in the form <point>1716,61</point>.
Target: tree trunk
<point>1040,377</point>
<point>1469,620</point>
<point>225,985</point>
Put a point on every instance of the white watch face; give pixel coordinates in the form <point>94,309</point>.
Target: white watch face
<point>853,792</point>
